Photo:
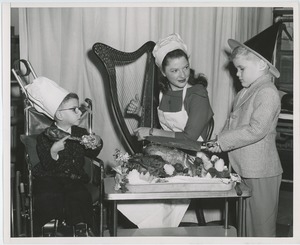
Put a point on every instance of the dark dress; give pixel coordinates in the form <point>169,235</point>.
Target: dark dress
<point>59,186</point>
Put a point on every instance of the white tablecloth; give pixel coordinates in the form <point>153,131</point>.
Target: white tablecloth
<point>150,214</point>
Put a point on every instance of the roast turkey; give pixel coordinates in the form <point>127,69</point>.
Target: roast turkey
<point>169,154</point>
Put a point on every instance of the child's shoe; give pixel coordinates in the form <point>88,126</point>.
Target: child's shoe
<point>50,229</point>
<point>80,230</point>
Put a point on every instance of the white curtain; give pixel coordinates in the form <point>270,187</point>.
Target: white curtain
<point>58,42</point>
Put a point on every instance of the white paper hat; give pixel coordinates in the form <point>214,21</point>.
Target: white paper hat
<point>45,95</point>
<point>166,45</point>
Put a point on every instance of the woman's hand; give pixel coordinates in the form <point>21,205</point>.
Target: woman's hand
<point>58,146</point>
<point>134,107</point>
<point>142,132</point>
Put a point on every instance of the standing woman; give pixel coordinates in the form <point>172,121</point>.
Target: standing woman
<point>184,110</point>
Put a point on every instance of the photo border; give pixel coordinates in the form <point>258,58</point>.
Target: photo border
<point>5,62</point>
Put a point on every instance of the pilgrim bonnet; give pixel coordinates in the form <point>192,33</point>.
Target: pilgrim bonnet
<point>166,45</point>
<point>262,45</point>
<point>45,95</point>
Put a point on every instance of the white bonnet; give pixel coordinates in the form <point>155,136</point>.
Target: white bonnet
<point>166,45</point>
<point>45,95</point>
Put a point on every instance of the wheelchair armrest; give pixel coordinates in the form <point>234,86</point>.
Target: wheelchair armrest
<point>98,172</point>
<point>95,169</point>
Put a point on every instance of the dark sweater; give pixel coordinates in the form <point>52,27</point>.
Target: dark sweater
<point>198,108</point>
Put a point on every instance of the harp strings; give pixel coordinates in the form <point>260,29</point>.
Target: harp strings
<point>130,81</point>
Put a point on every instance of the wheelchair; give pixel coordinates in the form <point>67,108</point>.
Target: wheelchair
<point>22,207</point>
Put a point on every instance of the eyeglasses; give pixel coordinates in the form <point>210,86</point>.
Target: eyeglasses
<point>74,109</point>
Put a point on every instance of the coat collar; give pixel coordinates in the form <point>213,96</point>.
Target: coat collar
<point>246,93</point>
<point>67,131</point>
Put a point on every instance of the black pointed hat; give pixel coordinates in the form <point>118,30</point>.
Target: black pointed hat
<point>262,45</point>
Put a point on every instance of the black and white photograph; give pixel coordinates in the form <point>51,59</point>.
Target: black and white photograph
<point>155,123</point>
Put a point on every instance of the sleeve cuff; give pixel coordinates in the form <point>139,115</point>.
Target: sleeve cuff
<point>55,158</point>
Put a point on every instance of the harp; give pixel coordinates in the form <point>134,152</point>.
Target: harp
<point>128,74</point>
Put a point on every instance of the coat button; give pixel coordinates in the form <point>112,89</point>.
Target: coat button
<point>233,116</point>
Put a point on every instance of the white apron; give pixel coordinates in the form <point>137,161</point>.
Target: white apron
<point>174,121</point>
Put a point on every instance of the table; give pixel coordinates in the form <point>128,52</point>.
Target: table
<point>113,197</point>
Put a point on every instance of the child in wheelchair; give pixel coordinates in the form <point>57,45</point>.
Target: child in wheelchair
<point>59,178</point>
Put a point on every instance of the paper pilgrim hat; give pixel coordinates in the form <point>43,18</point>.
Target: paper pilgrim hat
<point>46,95</point>
<point>262,45</point>
<point>166,45</point>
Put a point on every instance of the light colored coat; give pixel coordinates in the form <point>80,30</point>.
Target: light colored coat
<point>250,131</point>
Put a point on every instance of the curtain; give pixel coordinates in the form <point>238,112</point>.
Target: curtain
<point>58,42</point>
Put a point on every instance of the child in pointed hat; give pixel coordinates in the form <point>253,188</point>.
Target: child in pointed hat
<point>59,178</point>
<point>250,131</point>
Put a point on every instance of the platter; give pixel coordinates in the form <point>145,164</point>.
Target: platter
<point>182,184</point>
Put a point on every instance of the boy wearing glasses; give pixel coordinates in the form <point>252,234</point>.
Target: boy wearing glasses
<point>59,188</point>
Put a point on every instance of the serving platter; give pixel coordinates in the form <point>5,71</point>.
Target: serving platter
<point>182,184</point>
